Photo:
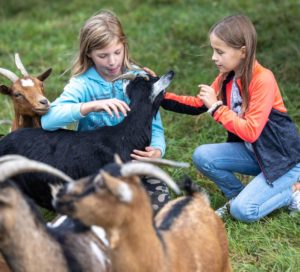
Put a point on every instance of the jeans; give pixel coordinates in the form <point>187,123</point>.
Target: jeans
<point>219,162</point>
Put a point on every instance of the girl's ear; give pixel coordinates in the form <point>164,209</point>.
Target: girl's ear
<point>243,51</point>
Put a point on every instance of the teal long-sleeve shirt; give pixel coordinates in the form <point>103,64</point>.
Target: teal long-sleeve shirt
<point>86,87</point>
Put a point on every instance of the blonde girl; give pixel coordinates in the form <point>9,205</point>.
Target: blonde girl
<point>92,101</point>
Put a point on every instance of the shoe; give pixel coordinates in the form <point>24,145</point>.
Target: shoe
<point>295,204</point>
<point>158,192</point>
<point>222,211</point>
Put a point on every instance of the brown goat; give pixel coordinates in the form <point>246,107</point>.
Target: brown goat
<point>186,235</point>
<point>27,94</point>
<point>28,245</point>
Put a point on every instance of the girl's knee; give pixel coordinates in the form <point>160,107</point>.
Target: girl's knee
<point>200,156</point>
<point>243,211</point>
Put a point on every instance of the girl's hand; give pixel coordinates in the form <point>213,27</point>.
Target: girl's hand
<point>149,71</point>
<point>112,106</point>
<point>150,152</point>
<point>207,94</point>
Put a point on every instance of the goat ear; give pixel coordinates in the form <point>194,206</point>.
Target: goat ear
<point>6,198</point>
<point>118,188</point>
<point>162,84</point>
<point>5,90</point>
<point>44,75</point>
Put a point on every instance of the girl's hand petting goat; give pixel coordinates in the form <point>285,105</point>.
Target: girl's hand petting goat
<point>112,106</point>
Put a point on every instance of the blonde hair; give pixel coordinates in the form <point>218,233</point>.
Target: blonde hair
<point>97,33</point>
<point>238,31</point>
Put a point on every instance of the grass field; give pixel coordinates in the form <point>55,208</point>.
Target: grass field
<point>164,35</point>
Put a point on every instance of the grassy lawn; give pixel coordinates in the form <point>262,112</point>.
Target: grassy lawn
<point>164,35</point>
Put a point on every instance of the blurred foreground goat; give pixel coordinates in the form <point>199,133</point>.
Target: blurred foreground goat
<point>28,245</point>
<point>186,235</point>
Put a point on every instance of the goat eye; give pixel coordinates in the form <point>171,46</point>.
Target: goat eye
<point>17,95</point>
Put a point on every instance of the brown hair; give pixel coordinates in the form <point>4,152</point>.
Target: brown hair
<point>97,33</point>
<point>238,31</point>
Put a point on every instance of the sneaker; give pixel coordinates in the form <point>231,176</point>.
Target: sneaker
<point>222,211</point>
<point>295,204</point>
<point>158,192</point>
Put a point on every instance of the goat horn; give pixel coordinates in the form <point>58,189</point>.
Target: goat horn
<point>20,65</point>
<point>11,157</point>
<point>141,73</point>
<point>12,168</point>
<point>144,76</point>
<point>165,162</point>
<point>142,168</point>
<point>128,76</point>
<point>9,75</point>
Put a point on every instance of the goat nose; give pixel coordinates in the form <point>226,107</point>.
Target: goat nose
<point>44,101</point>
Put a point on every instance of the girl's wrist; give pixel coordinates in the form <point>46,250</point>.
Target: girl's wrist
<point>214,107</point>
<point>86,108</point>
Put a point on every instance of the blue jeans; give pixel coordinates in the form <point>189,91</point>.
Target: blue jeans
<point>219,162</point>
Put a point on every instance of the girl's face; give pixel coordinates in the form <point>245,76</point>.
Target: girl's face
<point>225,57</point>
<point>109,60</point>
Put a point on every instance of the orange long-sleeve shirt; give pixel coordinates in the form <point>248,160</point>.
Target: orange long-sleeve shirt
<point>264,95</point>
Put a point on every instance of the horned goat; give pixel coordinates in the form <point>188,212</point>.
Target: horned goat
<point>27,94</point>
<point>79,154</point>
<point>186,235</point>
<point>29,245</point>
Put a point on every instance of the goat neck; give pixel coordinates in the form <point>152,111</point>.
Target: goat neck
<point>145,97</point>
<point>25,121</point>
<point>137,233</point>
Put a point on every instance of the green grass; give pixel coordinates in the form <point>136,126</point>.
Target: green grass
<point>163,35</point>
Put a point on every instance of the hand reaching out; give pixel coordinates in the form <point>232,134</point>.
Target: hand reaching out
<point>149,71</point>
<point>207,94</point>
<point>112,106</point>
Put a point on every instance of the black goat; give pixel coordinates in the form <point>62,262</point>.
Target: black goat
<point>80,154</point>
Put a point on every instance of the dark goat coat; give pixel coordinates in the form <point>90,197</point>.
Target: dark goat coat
<point>80,154</point>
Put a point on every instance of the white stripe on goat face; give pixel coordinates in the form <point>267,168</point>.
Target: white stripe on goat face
<point>27,82</point>
<point>99,253</point>
<point>58,222</point>
<point>101,234</point>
